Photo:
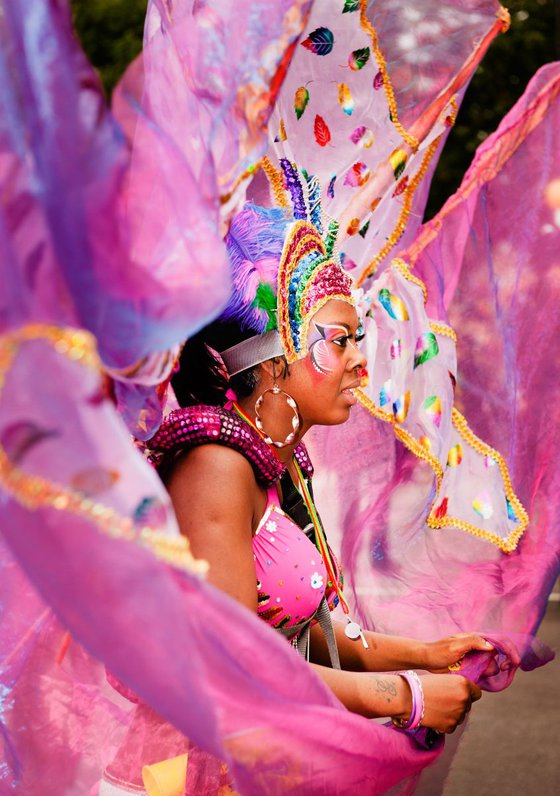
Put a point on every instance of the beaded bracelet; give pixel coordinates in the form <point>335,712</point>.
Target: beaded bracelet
<point>417,712</point>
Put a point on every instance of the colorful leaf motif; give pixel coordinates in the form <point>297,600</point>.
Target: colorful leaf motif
<point>357,175</point>
<point>350,5</point>
<point>441,510</point>
<point>353,226</point>
<point>94,480</point>
<point>400,407</point>
<point>432,405</point>
<point>426,348</point>
<point>363,231</point>
<point>510,512</point>
<point>385,393</point>
<point>396,349</point>
<point>398,159</point>
<point>20,438</point>
<point>345,99</point>
<point>301,99</point>
<point>362,136</point>
<point>426,443</point>
<point>150,511</point>
<point>374,204</point>
<point>455,455</point>
<point>401,186</point>
<point>394,306</point>
<point>348,264</point>
<point>483,507</point>
<point>378,81</point>
<point>322,132</point>
<point>281,133</point>
<point>320,41</point>
<point>358,59</point>
<point>330,189</point>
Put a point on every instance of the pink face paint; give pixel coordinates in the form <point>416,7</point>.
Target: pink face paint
<point>322,357</point>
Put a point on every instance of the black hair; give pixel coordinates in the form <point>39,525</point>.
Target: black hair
<point>201,378</point>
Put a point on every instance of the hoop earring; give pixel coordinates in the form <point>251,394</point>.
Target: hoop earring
<point>275,390</point>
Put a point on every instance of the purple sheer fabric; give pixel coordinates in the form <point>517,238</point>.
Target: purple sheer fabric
<point>88,531</point>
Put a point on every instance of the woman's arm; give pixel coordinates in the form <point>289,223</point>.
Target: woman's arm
<point>447,698</point>
<point>388,653</point>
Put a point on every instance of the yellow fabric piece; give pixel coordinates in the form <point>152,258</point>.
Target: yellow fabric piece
<point>166,778</point>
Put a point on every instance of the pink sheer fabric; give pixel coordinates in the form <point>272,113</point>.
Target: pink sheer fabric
<point>88,532</point>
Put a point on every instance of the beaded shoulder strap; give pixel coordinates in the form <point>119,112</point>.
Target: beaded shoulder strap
<point>202,425</point>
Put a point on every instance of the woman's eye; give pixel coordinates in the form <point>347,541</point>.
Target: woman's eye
<point>359,337</point>
<point>341,341</point>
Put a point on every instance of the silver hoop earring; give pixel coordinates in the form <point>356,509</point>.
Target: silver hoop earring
<point>275,390</point>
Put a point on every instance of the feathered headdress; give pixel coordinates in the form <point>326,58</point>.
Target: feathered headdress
<point>283,271</point>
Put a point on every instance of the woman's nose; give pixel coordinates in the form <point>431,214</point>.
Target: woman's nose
<point>358,358</point>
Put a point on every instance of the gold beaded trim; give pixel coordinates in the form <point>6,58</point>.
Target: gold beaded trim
<point>444,330</point>
<point>276,181</point>
<point>403,268</point>
<point>32,492</point>
<point>400,227</point>
<point>387,85</point>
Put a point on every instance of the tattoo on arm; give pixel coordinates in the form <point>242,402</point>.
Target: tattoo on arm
<point>386,689</point>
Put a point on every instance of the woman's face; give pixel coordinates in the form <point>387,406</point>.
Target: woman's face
<point>322,382</point>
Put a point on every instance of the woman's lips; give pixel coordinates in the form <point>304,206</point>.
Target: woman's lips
<point>350,396</point>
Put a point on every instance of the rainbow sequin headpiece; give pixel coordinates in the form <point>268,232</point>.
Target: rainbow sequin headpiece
<point>283,272</point>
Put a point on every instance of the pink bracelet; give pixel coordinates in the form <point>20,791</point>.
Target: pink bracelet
<point>417,712</point>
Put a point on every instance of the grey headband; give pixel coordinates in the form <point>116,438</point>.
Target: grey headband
<point>250,352</point>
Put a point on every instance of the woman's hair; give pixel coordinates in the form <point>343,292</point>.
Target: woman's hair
<point>201,378</point>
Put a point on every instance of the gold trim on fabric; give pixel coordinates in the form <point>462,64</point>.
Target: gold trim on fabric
<point>32,492</point>
<point>444,330</point>
<point>400,227</point>
<point>387,84</point>
<point>506,545</point>
<point>403,268</point>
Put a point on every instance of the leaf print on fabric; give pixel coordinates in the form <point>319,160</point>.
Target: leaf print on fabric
<point>357,175</point>
<point>432,405</point>
<point>378,81</point>
<point>320,41</point>
<point>401,186</point>
<point>281,133</point>
<point>398,159</point>
<point>362,136</point>
<point>426,348</point>
<point>455,455</point>
<point>393,305</point>
<point>350,5</point>
<point>483,507</point>
<point>321,130</point>
<point>330,189</point>
<point>363,231</point>
<point>301,99</point>
<point>358,58</point>
<point>400,407</point>
<point>20,438</point>
<point>345,99</point>
<point>94,480</point>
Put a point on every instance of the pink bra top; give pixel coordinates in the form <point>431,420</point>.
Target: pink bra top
<point>291,576</point>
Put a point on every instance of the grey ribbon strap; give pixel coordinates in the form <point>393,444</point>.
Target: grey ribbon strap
<point>323,616</point>
<point>252,351</point>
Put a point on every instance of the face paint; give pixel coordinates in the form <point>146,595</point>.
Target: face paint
<point>322,357</point>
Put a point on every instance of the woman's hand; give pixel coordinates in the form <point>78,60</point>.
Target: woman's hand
<point>440,655</point>
<point>447,700</point>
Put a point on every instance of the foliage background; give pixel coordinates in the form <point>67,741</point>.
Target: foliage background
<point>111,34</point>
